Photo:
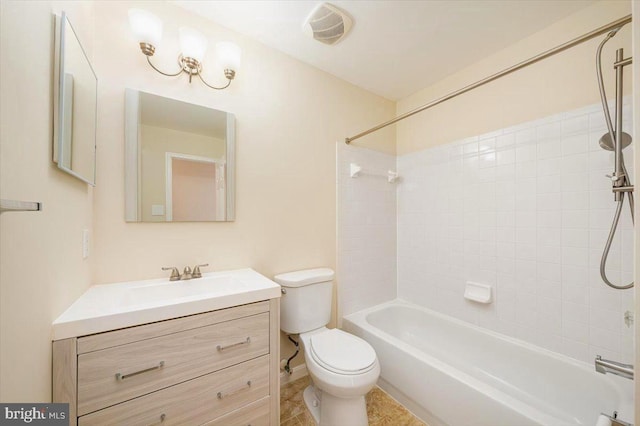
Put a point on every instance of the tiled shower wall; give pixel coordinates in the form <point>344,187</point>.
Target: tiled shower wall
<point>366,229</point>
<point>527,210</point>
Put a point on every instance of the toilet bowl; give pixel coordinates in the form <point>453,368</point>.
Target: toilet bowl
<point>343,367</point>
<point>340,363</point>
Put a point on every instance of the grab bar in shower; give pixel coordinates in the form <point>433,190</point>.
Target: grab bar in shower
<point>19,206</point>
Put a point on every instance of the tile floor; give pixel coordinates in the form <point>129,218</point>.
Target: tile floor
<point>381,408</point>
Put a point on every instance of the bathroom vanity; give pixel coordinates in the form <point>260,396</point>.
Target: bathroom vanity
<point>209,357</point>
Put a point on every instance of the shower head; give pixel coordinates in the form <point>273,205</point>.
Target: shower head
<point>607,143</point>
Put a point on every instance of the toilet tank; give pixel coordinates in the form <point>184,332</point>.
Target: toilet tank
<point>305,304</point>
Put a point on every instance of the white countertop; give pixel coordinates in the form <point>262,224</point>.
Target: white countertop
<point>113,306</point>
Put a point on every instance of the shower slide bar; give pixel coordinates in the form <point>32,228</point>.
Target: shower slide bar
<point>576,41</point>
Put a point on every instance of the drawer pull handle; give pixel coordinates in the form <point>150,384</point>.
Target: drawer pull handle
<point>162,418</point>
<point>244,342</point>
<point>247,385</point>
<point>120,376</point>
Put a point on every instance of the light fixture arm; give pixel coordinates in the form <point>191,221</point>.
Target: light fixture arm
<point>147,28</point>
<point>163,73</point>
<point>187,65</point>
<point>227,74</point>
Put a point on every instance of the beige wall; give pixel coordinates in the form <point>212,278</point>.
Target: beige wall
<point>41,265</point>
<point>289,117</point>
<point>156,142</point>
<point>560,83</point>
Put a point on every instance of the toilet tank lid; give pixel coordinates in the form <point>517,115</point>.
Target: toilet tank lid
<point>306,277</point>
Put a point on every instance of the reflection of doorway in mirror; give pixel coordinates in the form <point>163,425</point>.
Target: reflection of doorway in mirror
<point>195,188</point>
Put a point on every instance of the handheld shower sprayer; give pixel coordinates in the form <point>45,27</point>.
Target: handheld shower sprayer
<point>615,140</point>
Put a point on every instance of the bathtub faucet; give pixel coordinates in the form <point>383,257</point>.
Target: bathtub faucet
<point>614,420</point>
<point>605,366</point>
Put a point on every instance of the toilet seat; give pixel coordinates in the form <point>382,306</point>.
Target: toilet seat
<point>342,353</point>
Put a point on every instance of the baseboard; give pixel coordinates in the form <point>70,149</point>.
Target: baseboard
<point>297,372</point>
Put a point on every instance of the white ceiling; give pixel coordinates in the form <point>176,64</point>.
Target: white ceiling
<point>395,48</point>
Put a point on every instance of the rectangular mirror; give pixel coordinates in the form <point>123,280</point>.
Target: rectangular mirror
<point>75,105</point>
<point>179,161</point>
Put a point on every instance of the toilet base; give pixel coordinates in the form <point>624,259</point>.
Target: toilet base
<point>328,410</point>
<point>312,401</point>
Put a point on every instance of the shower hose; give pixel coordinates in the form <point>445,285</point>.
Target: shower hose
<point>625,178</point>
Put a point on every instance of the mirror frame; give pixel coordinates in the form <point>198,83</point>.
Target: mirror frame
<point>132,181</point>
<point>59,106</point>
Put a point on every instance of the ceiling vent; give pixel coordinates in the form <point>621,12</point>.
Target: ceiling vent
<point>327,24</point>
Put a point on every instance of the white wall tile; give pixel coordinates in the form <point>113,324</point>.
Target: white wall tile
<point>549,254</point>
<point>525,152</point>
<point>529,214</point>
<point>573,125</point>
<point>573,237</point>
<point>505,140</point>
<point>367,231</point>
<point>575,200</point>
<point>549,131</point>
<point>526,135</point>
<point>574,144</point>
<point>549,235</point>
<point>507,156</point>
<point>577,331</point>
<point>549,184</point>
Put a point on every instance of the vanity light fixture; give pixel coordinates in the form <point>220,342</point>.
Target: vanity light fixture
<point>147,28</point>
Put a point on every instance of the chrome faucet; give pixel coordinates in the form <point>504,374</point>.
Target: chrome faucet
<point>615,421</point>
<point>187,274</point>
<point>605,366</point>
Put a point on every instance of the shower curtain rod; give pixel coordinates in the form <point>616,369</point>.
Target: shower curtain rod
<point>578,40</point>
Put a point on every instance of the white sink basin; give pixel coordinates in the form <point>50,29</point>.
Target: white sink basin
<point>112,306</point>
<point>173,291</point>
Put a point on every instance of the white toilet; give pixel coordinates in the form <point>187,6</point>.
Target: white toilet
<point>343,367</point>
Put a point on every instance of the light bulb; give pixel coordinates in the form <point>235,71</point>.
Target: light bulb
<point>146,27</point>
<point>229,55</point>
<point>192,44</point>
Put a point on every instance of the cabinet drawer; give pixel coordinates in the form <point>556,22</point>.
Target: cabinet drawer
<point>117,374</point>
<point>254,414</point>
<point>193,402</point>
<point>123,336</point>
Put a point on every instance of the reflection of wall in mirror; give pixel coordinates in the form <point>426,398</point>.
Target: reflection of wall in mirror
<point>83,105</point>
<point>156,142</point>
<point>67,121</point>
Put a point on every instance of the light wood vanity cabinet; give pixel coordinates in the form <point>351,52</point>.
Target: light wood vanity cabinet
<point>215,368</point>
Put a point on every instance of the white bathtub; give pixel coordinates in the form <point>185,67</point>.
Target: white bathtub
<point>449,372</point>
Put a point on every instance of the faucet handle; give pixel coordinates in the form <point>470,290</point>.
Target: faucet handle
<point>186,274</point>
<point>175,275</point>
<point>196,270</point>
